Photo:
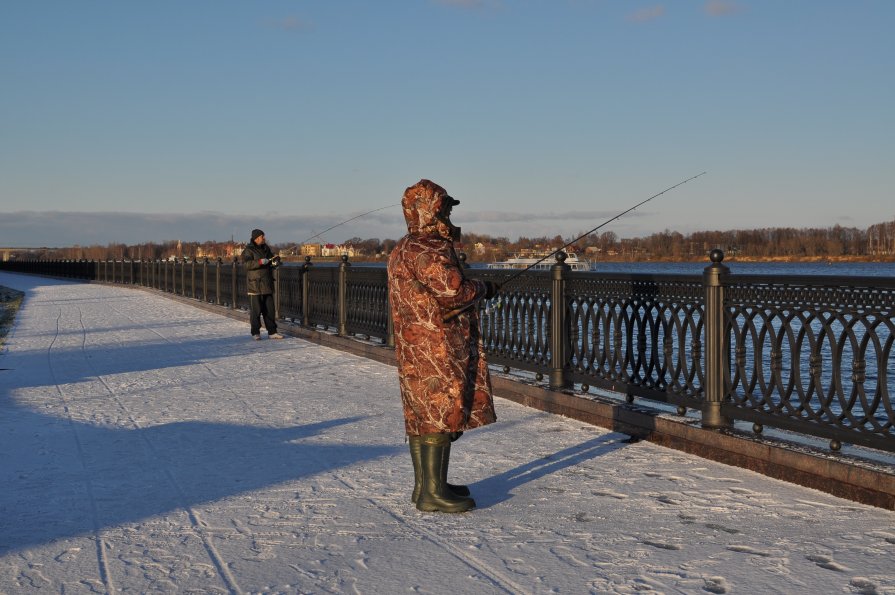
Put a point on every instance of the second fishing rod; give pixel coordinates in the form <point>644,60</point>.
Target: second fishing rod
<point>456,312</point>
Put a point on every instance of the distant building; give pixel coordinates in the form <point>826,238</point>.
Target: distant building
<point>311,249</point>
<point>337,250</point>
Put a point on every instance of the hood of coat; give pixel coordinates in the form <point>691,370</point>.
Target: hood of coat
<point>422,203</point>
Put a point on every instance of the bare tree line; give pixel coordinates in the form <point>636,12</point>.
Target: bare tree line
<point>837,242</point>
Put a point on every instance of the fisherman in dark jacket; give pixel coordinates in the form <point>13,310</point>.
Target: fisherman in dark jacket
<point>259,264</point>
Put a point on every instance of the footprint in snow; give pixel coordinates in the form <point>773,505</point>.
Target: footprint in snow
<point>668,500</point>
<point>722,528</point>
<point>661,545</point>
<point>715,584</point>
<point>615,495</point>
<point>827,563</point>
<point>745,549</point>
<point>864,586</point>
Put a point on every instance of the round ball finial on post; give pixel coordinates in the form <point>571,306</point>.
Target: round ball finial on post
<point>716,256</point>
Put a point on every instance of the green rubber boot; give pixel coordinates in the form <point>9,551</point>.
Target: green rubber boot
<point>434,494</point>
<point>415,454</point>
<point>459,490</point>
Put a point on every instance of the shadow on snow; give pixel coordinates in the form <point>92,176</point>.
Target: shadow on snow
<point>63,479</point>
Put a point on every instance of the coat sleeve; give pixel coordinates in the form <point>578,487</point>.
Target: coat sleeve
<point>250,258</point>
<point>446,282</point>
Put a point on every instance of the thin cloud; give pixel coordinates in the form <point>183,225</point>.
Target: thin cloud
<point>718,8</point>
<point>647,14</point>
<point>291,23</point>
<point>468,4</point>
<point>59,229</point>
<point>515,216</point>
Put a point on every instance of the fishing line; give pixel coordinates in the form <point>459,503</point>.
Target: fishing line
<point>518,274</point>
<point>587,233</point>
<point>349,221</point>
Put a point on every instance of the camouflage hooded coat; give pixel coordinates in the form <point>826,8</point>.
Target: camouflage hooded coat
<point>445,386</point>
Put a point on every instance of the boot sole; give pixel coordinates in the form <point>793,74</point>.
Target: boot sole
<point>452,508</point>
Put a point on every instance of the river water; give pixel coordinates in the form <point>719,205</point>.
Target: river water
<point>856,269</point>
<point>859,269</point>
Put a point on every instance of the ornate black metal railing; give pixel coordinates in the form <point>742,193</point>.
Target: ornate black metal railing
<point>807,354</point>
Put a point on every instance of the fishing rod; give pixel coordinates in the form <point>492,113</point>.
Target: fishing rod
<point>349,221</point>
<point>518,274</point>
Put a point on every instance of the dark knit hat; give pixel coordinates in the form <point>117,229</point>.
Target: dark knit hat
<point>256,233</point>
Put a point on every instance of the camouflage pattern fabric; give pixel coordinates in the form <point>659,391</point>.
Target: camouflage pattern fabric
<point>445,385</point>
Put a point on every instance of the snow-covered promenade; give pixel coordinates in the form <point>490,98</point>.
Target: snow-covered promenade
<point>150,446</point>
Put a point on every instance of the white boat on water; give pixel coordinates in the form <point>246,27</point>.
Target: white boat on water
<point>523,261</point>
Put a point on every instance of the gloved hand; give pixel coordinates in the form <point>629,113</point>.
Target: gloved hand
<point>491,289</point>
<point>263,261</point>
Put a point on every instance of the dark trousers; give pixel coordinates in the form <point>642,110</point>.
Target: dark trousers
<point>262,306</point>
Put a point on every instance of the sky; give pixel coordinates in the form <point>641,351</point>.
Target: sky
<point>151,446</point>
<point>201,120</point>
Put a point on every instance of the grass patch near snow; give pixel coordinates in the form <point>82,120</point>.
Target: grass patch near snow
<point>10,300</point>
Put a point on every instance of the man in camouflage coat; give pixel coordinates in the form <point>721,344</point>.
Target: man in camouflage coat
<point>445,385</point>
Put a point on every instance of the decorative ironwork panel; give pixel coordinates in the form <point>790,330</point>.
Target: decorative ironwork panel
<point>176,277</point>
<point>289,287</point>
<point>242,287</point>
<point>638,334</point>
<point>516,325</point>
<point>214,297</point>
<point>323,296</point>
<point>226,284</point>
<point>189,275</point>
<point>367,302</point>
<point>813,355</point>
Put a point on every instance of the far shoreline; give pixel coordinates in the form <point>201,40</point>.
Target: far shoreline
<point>727,259</point>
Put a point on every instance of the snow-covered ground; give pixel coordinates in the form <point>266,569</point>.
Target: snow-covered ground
<point>149,446</point>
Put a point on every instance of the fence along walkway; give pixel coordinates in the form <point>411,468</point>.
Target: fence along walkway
<point>810,354</point>
<point>149,445</point>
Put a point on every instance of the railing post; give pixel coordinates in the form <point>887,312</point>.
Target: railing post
<point>390,325</point>
<point>306,292</point>
<point>343,295</point>
<point>276,293</point>
<point>217,283</point>
<point>713,278</point>
<point>193,277</point>
<point>183,277</point>
<point>233,285</point>
<point>559,332</point>
<point>205,280</point>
